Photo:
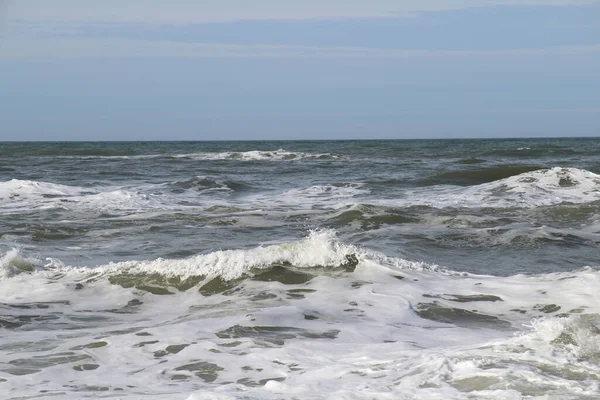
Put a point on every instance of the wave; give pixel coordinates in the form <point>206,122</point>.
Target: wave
<point>13,262</point>
<point>577,335</point>
<point>318,253</point>
<point>319,249</point>
<point>205,184</point>
<point>333,191</point>
<point>17,188</point>
<point>528,152</point>
<point>539,188</point>
<point>370,217</point>
<point>21,195</point>
<point>502,187</point>
<point>556,355</point>
<point>317,196</point>
<point>544,187</point>
<point>260,155</point>
<point>252,155</point>
<point>415,322</point>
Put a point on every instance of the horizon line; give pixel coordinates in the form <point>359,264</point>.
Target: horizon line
<point>297,140</point>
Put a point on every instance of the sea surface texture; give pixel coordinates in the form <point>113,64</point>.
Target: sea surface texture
<point>448,269</point>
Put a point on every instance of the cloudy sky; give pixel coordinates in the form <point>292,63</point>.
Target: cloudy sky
<point>311,69</point>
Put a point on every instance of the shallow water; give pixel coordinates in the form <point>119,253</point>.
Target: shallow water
<point>451,269</point>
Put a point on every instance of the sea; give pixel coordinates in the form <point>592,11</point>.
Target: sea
<point>406,269</point>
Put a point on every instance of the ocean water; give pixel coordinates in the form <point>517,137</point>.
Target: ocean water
<point>438,269</point>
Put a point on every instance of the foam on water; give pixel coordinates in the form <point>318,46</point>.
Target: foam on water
<point>385,328</point>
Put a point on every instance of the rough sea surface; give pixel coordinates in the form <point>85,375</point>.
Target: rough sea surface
<point>438,269</point>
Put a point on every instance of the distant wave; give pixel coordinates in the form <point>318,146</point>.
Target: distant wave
<point>253,155</point>
<point>529,152</point>
<point>258,155</point>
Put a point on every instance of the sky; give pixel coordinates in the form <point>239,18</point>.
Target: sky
<point>311,69</point>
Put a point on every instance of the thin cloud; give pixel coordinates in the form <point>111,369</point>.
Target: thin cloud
<point>193,11</point>
<point>128,48</point>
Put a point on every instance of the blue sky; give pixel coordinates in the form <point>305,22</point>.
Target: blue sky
<point>273,69</point>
